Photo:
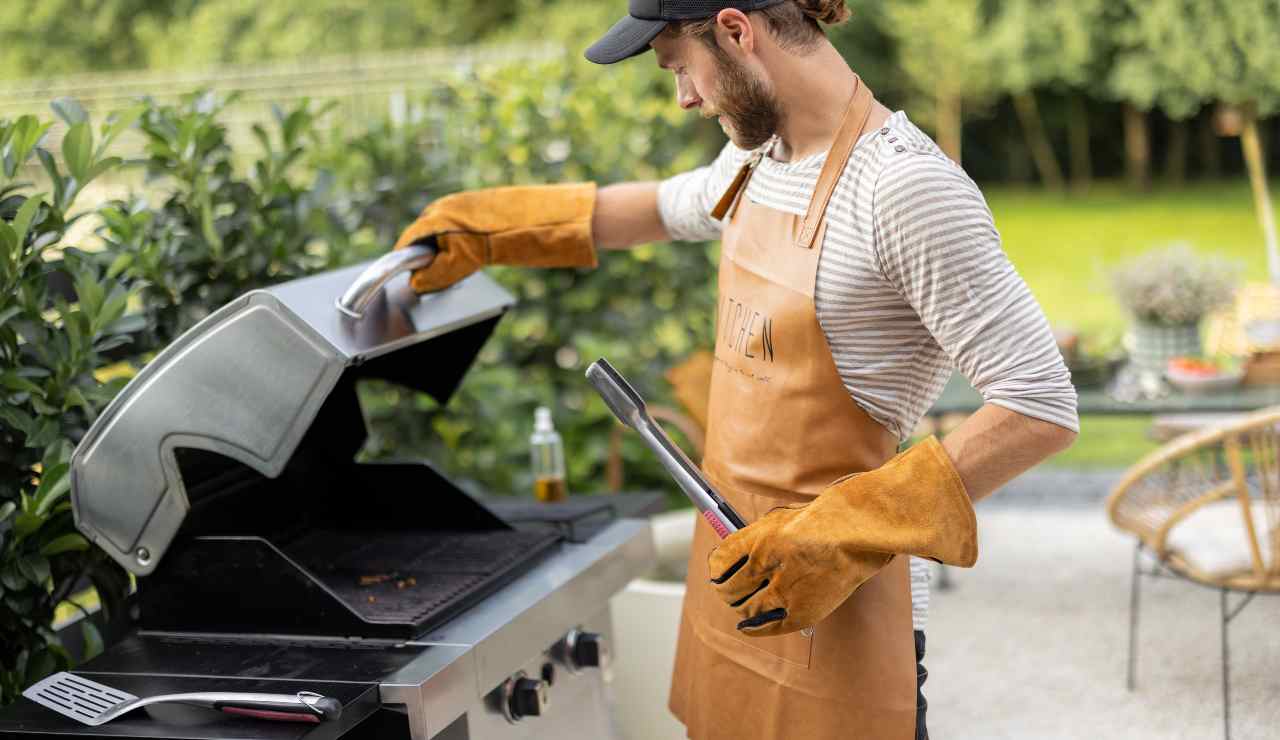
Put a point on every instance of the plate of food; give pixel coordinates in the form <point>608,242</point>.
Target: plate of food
<point>1204,375</point>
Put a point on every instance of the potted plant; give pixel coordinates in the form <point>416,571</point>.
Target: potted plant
<point>1167,293</point>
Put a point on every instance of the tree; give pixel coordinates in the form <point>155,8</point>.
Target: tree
<point>1179,55</point>
<point>1142,77</point>
<point>943,51</point>
<point>41,38</point>
<point>1043,43</point>
<point>231,31</point>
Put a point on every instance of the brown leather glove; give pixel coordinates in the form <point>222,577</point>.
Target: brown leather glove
<point>534,226</point>
<point>794,566</point>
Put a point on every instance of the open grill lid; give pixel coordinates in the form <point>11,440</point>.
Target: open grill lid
<point>248,382</point>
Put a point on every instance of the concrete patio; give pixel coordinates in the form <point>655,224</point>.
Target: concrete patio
<point>1032,642</point>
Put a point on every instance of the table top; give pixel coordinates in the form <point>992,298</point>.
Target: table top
<point>960,397</point>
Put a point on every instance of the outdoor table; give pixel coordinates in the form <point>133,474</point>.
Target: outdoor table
<point>960,397</point>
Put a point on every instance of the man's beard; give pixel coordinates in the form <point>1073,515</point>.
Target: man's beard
<point>750,108</point>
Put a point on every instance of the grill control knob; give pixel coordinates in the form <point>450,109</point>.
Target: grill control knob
<point>579,650</point>
<point>528,698</point>
<point>589,651</point>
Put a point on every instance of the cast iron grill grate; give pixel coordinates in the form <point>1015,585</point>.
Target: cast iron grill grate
<point>420,577</point>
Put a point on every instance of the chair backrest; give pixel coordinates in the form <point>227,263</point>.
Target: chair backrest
<point>1237,462</point>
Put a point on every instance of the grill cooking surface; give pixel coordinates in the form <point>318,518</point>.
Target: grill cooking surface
<point>414,577</point>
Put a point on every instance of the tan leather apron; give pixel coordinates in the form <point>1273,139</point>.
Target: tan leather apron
<point>781,427</point>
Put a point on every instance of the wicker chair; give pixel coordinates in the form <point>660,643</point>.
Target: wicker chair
<point>1206,506</point>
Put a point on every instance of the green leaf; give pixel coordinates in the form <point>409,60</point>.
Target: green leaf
<point>121,263</point>
<point>18,419</point>
<point>118,123</point>
<point>89,291</point>
<point>10,247</point>
<point>112,309</point>
<point>46,433</point>
<point>26,523</point>
<point>54,484</point>
<point>75,398</point>
<point>260,133</point>
<point>7,509</point>
<point>11,381</point>
<point>42,407</point>
<point>58,452</point>
<point>56,177</point>
<point>130,324</point>
<point>101,166</point>
<point>69,110</point>
<point>35,568</point>
<point>77,150</point>
<point>65,543</point>
<point>93,645</point>
<point>11,578</point>
<point>26,135</point>
<point>9,313</point>
<point>26,214</point>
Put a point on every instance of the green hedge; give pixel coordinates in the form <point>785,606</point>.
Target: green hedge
<point>212,222</point>
<point>50,349</point>
<point>561,121</point>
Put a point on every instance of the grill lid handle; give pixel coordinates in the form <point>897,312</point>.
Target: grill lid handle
<point>370,282</point>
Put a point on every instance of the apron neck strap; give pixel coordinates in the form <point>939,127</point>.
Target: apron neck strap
<point>851,128</point>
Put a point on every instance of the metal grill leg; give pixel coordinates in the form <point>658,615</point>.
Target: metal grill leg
<point>1134,591</point>
<point>1226,671</point>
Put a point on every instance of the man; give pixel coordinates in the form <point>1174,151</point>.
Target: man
<point>858,266</point>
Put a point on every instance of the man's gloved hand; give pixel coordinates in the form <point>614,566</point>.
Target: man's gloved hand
<point>534,226</point>
<point>794,566</point>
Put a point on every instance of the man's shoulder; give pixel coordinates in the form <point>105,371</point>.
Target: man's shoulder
<point>909,165</point>
<point>895,151</point>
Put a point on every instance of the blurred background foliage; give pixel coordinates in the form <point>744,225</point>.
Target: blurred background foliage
<point>1012,84</point>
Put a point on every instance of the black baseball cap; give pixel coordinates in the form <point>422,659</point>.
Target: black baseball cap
<point>645,19</point>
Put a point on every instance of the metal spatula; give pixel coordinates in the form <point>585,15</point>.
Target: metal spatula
<point>93,703</point>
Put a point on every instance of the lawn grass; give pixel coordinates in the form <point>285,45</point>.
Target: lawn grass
<point>1064,245</point>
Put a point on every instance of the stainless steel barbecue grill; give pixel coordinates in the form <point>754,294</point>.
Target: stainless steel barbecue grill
<point>269,560</point>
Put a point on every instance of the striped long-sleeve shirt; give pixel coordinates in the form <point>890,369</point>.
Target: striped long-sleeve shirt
<point>912,282</point>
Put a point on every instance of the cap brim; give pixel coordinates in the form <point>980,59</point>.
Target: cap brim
<point>628,37</point>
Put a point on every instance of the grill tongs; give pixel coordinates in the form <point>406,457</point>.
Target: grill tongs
<point>629,407</point>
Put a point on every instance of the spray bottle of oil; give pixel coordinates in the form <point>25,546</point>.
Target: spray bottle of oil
<point>548,459</point>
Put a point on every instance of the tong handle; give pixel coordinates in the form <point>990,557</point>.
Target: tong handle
<point>305,706</point>
<point>370,282</point>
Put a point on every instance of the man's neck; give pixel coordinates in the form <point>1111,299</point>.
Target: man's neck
<point>814,92</point>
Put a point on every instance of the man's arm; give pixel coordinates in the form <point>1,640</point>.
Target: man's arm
<point>676,209</point>
<point>627,214</point>
<point>937,244</point>
<point>981,451</point>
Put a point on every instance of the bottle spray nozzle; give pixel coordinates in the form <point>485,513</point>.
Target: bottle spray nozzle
<point>542,420</point>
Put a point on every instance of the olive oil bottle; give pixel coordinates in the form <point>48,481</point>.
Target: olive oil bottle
<point>548,459</point>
